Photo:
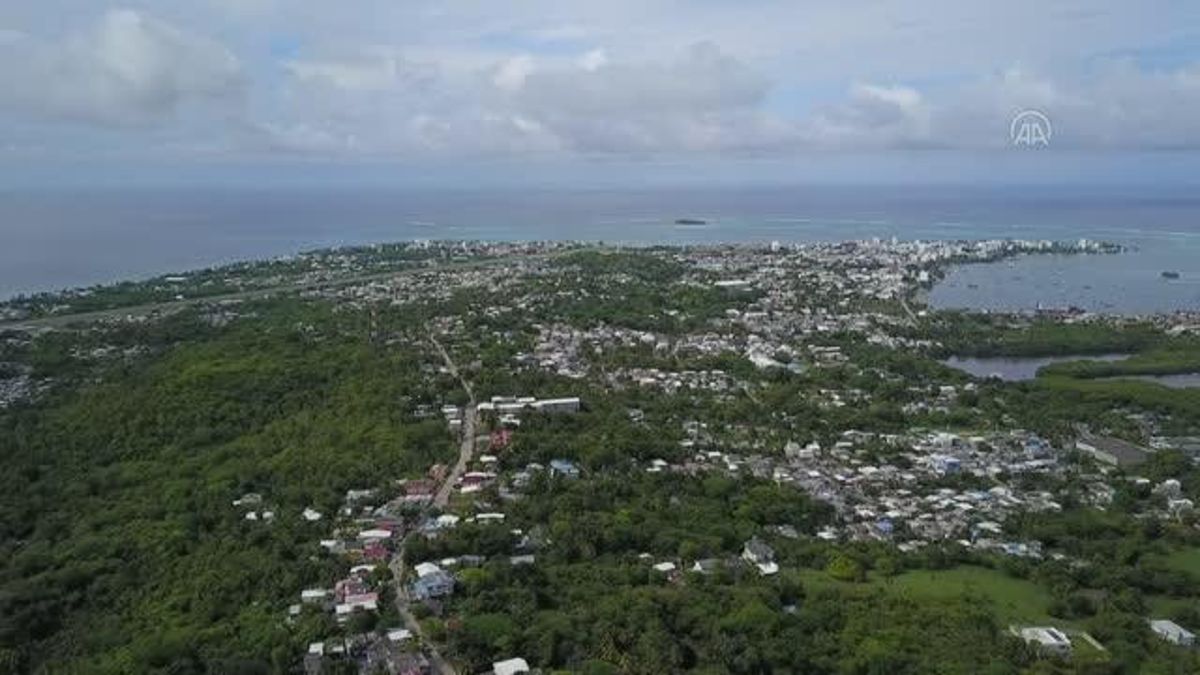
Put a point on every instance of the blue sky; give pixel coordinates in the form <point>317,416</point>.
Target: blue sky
<point>573,93</point>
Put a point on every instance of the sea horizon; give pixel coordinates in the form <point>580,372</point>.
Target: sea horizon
<point>77,237</point>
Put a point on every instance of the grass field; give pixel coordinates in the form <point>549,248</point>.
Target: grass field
<point>1185,560</point>
<point>1014,600</point>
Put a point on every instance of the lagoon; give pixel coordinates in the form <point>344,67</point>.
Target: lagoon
<point>1018,369</point>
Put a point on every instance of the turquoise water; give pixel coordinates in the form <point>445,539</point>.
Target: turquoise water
<point>51,240</point>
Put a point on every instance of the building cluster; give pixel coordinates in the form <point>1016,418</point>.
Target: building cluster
<point>918,488</point>
<point>808,310</point>
<point>16,386</point>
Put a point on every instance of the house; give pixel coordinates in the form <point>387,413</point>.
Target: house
<point>510,405</point>
<point>499,439</point>
<point>411,663</point>
<point>437,584</point>
<point>425,569</point>
<point>707,566</point>
<point>314,658</point>
<point>374,552</point>
<point>375,534</point>
<point>947,465</point>
<point>418,491</point>
<point>564,467</point>
<point>558,405</point>
<point>1047,639</point>
<point>1173,632</point>
<point>1113,451</point>
<point>248,499</point>
<point>885,527</point>
<point>510,667</point>
<point>367,602</point>
<point>757,551</point>
<point>762,556</point>
<point>314,595</point>
<point>476,479</point>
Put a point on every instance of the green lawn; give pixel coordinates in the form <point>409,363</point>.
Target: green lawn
<point>1014,600</point>
<point>1185,560</point>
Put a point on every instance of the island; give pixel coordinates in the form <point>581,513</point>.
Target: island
<point>467,456</point>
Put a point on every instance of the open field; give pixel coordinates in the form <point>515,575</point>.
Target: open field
<point>1014,600</point>
<point>1185,560</point>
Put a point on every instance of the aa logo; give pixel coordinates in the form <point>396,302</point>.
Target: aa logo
<point>1030,129</point>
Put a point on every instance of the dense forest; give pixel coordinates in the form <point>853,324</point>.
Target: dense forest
<point>120,551</point>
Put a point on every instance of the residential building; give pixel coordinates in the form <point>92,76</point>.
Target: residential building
<point>1047,639</point>
<point>1173,632</point>
<point>1113,451</point>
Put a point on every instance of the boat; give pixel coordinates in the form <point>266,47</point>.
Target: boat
<point>690,221</point>
<point>1169,274</point>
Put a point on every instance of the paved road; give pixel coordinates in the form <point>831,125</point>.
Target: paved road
<point>912,317</point>
<point>466,450</point>
<point>440,665</point>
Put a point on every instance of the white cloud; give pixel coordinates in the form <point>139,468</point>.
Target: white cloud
<point>872,116</point>
<point>373,69</point>
<point>128,68</point>
<point>594,60</point>
<point>701,99</point>
<point>623,77</point>
<point>510,75</point>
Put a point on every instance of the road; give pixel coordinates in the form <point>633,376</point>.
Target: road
<point>465,452</point>
<point>440,665</point>
<point>912,317</point>
<point>467,448</point>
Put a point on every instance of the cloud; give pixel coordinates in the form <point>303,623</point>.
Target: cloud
<point>873,116</point>
<point>702,79</point>
<point>593,60</point>
<point>510,75</point>
<point>702,99</point>
<point>377,69</point>
<point>640,78</point>
<point>128,68</point>
<point>586,103</point>
<point>1119,107</point>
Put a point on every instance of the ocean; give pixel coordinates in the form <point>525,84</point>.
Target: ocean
<point>53,239</point>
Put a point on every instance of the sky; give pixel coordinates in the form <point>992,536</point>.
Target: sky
<point>477,91</point>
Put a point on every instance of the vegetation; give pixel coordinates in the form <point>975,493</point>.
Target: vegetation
<point>1179,358</point>
<point>121,551</point>
<point>119,548</point>
<point>968,334</point>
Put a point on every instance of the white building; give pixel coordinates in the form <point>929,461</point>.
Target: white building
<point>1173,632</point>
<point>1046,638</point>
<point>510,667</point>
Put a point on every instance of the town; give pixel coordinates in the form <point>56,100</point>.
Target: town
<point>810,372</point>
